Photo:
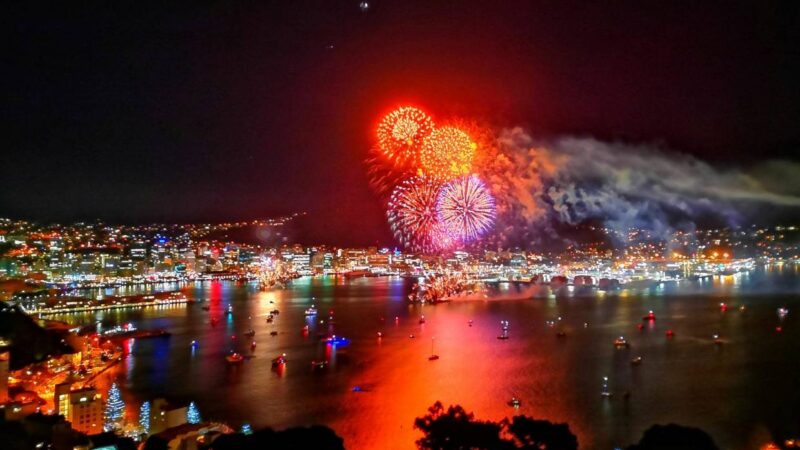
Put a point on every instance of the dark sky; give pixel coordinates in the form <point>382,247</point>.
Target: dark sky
<point>235,110</point>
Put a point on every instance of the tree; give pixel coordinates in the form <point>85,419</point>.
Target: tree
<point>532,434</point>
<point>674,437</point>
<point>115,409</point>
<point>144,417</point>
<point>193,414</point>
<point>457,429</point>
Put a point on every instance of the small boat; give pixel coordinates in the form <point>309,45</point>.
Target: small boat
<point>337,340</point>
<point>380,334</point>
<point>433,356</point>
<point>621,342</point>
<point>636,361</point>
<point>717,340</point>
<point>605,392</point>
<point>723,307</point>
<point>250,333</point>
<point>311,311</point>
<point>273,333</point>
<point>422,319</point>
<point>279,361</point>
<point>783,312</point>
<point>411,336</point>
<point>357,389</point>
<point>318,365</point>
<point>650,316</point>
<point>253,345</point>
<point>504,330</point>
<point>205,308</point>
<point>640,327</point>
<point>230,309</point>
<point>274,312</point>
<point>234,358</point>
<point>561,334</point>
<point>270,318</point>
<point>469,322</point>
<point>194,344</point>
<point>514,402</point>
<point>670,334</point>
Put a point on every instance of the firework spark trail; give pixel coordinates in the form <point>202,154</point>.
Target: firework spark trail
<point>401,133</point>
<point>447,153</point>
<point>466,208</point>
<point>412,213</point>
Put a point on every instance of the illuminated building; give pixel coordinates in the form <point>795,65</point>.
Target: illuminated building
<point>82,407</point>
<point>5,358</point>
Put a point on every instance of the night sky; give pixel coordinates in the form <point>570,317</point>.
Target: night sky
<point>237,110</point>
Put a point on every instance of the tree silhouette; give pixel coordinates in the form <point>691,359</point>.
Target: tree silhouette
<point>532,434</point>
<point>674,437</point>
<point>457,429</point>
<point>300,438</point>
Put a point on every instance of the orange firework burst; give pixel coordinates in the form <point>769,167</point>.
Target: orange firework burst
<point>447,153</point>
<point>401,133</point>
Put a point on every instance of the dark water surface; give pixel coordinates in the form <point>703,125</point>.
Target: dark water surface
<point>743,392</point>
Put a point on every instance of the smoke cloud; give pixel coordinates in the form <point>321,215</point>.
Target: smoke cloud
<point>571,180</point>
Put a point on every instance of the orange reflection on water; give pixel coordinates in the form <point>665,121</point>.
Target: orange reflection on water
<point>400,383</point>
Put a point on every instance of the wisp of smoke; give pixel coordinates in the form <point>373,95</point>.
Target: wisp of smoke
<point>571,180</point>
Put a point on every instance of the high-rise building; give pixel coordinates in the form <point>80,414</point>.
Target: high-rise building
<point>82,407</point>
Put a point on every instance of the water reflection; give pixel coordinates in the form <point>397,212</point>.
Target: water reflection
<point>734,391</point>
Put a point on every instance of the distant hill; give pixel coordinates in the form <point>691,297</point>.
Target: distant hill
<point>29,343</point>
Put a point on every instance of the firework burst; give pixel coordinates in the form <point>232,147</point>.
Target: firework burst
<point>447,153</point>
<point>465,208</point>
<point>412,213</point>
<point>401,133</point>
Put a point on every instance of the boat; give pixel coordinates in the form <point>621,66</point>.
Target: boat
<point>469,322</point>
<point>422,319</point>
<point>253,345</point>
<point>723,307</point>
<point>206,308</point>
<point>561,334</point>
<point>274,312</point>
<point>783,312</point>
<point>337,340</point>
<point>504,330</point>
<point>433,356</point>
<point>514,402</point>
<point>318,365</point>
<point>380,334</point>
<point>311,311</point>
<point>636,361</point>
<point>605,392</point>
<point>717,340</point>
<point>650,316</point>
<point>234,358</point>
<point>250,333</point>
<point>230,309</point>
<point>270,318</point>
<point>621,342</point>
<point>194,344</point>
<point>273,333</point>
<point>670,334</point>
<point>279,361</point>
